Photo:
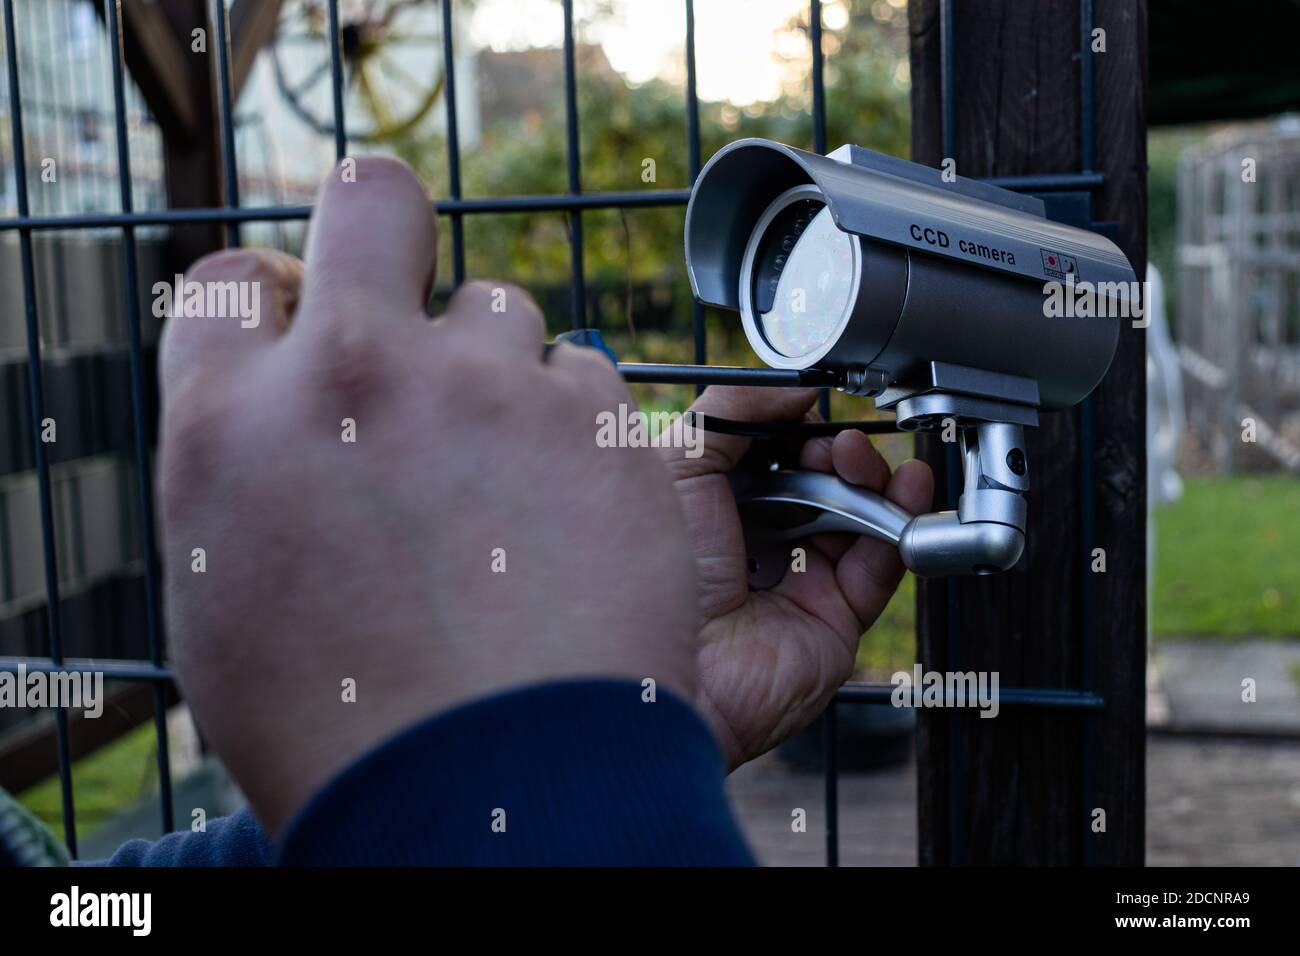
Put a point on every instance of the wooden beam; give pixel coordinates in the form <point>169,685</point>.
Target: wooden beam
<point>177,84</point>
<point>193,163</point>
<point>157,64</point>
<point>1022,788</point>
<point>252,26</point>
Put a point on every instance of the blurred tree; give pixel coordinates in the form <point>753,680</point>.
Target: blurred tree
<point>622,125</point>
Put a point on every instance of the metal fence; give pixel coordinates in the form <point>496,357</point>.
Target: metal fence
<point>153,669</point>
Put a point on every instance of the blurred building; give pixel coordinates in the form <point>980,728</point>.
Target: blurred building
<point>1238,324</point>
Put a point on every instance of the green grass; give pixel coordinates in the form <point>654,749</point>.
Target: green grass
<point>105,783</point>
<point>890,645</point>
<point>1228,559</point>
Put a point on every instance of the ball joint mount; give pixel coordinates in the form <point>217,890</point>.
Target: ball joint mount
<point>984,535</point>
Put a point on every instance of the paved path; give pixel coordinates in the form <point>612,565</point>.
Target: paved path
<point>1201,681</point>
<point>877,814</point>
<point>1209,802</point>
<point>1222,803</point>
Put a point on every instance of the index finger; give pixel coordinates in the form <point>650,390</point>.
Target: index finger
<point>372,246</point>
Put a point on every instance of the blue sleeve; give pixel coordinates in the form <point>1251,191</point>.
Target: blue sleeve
<point>236,840</point>
<point>576,773</point>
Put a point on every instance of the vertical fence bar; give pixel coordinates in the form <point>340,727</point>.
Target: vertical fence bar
<point>831,768</point>
<point>226,113</point>
<point>113,23</point>
<point>579,318</point>
<point>36,395</point>
<point>952,464</point>
<point>818,79</point>
<point>819,127</point>
<point>1087,137</point>
<point>453,144</point>
<point>693,150</point>
<point>947,77</point>
<point>1088,625</point>
<point>336,82</point>
<point>1087,488</point>
<point>830,739</point>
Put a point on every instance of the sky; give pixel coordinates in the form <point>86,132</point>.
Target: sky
<point>736,51</point>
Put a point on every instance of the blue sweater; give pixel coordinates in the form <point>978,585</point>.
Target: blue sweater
<point>576,773</point>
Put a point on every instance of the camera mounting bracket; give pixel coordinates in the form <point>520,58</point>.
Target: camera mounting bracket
<point>945,391</point>
<point>985,534</point>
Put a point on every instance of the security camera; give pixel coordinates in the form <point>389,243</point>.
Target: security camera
<point>928,295</point>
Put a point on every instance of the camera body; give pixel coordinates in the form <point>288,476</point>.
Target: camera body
<point>947,272</point>
<point>929,295</point>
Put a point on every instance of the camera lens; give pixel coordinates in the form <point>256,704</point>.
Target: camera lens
<point>801,278</point>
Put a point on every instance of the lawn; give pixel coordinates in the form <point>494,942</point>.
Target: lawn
<point>104,783</point>
<point>1228,559</point>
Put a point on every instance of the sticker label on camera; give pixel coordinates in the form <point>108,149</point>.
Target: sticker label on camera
<point>1058,266</point>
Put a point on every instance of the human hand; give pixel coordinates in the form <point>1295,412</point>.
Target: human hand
<point>769,661</point>
<point>329,560</point>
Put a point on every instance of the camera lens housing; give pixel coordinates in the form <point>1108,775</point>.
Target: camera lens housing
<point>812,295</point>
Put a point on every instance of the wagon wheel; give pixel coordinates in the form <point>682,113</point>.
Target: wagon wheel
<point>388,46</point>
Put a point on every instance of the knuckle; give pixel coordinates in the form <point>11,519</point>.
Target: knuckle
<point>593,371</point>
<point>235,278</point>
<point>472,295</point>
<point>517,297</point>
<point>475,382</point>
<point>384,169</point>
<point>495,296</point>
<point>233,264</point>
<point>472,288</point>
<point>350,361</point>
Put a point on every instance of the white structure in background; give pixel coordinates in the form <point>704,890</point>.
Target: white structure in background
<point>1166,423</point>
<point>67,91</point>
<point>1166,416</point>
<point>282,157</point>
<point>67,94</point>
<point>1239,293</point>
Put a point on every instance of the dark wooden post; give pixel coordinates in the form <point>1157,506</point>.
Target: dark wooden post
<point>191,157</point>
<point>1024,788</point>
<point>178,83</point>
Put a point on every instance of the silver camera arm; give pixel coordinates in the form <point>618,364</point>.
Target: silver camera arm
<point>985,534</point>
